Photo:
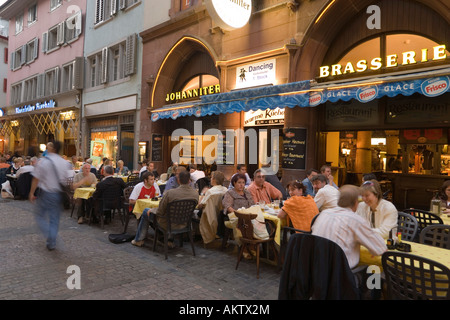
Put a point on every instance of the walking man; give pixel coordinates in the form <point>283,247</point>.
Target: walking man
<point>49,172</point>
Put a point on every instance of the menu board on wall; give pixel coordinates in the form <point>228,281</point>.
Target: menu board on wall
<point>156,147</point>
<point>294,148</point>
<point>227,152</point>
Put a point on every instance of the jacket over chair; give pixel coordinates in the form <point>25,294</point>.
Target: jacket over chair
<point>209,219</point>
<point>316,268</point>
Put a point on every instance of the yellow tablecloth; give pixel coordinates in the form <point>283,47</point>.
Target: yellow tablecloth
<point>124,178</point>
<point>141,204</point>
<point>83,193</point>
<point>445,218</point>
<point>279,223</point>
<point>433,253</point>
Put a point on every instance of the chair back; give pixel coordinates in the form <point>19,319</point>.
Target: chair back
<point>437,235</point>
<point>245,225</point>
<point>424,218</point>
<point>112,197</point>
<point>410,277</point>
<point>134,177</point>
<point>126,193</point>
<point>3,172</point>
<point>408,225</point>
<point>180,212</point>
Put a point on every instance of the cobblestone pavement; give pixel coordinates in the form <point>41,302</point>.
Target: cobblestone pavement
<point>28,271</point>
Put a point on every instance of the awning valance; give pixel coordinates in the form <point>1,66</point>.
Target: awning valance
<point>430,83</point>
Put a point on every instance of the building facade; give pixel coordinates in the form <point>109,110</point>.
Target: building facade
<point>304,83</point>
<point>45,78</point>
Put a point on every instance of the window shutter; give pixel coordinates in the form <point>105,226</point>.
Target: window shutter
<point>78,73</point>
<point>40,91</point>
<point>23,57</point>
<point>13,57</point>
<point>123,4</point>
<point>113,5</point>
<point>130,63</point>
<point>56,85</point>
<point>36,48</point>
<point>104,76</point>
<point>78,24</point>
<point>45,42</point>
<point>61,33</point>
<point>99,9</point>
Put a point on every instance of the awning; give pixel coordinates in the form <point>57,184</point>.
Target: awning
<point>430,83</point>
<point>268,97</point>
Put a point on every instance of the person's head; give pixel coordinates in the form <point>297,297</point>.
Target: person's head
<point>104,159</point>
<point>106,162</point>
<point>325,170</point>
<point>178,170</point>
<point>34,161</point>
<point>348,198</point>
<point>238,181</point>
<point>242,168</point>
<point>217,178</point>
<point>319,181</point>
<point>259,177</point>
<point>311,173</point>
<point>184,177</point>
<point>27,162</point>
<point>18,162</point>
<point>369,176</point>
<point>149,178</point>
<point>445,190</point>
<point>2,160</point>
<point>192,168</point>
<point>296,188</point>
<point>120,163</point>
<point>74,159</point>
<point>151,166</point>
<point>371,193</point>
<point>86,169</point>
<point>109,171</point>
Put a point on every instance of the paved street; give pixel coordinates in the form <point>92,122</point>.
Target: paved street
<point>117,271</point>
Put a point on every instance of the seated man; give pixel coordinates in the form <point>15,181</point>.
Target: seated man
<point>195,174</point>
<point>326,171</point>
<point>261,190</point>
<point>183,192</point>
<point>307,182</point>
<point>146,189</point>
<point>326,196</point>
<point>109,185</point>
<point>241,168</point>
<point>343,226</point>
<point>272,178</point>
<point>174,182</point>
<point>83,179</point>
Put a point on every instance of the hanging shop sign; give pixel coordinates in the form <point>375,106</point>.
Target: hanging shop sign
<point>230,14</point>
<point>256,74</point>
<point>192,93</point>
<point>38,106</point>
<point>391,61</point>
<point>264,117</point>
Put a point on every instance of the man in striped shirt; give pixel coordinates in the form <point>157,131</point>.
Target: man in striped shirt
<point>343,226</point>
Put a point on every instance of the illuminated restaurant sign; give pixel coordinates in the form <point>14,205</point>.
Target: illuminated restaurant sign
<point>391,61</point>
<point>229,14</point>
<point>37,106</point>
<point>192,93</point>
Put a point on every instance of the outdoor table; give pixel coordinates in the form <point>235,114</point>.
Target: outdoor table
<point>124,178</point>
<point>142,204</point>
<point>422,250</point>
<point>83,193</point>
<point>445,218</point>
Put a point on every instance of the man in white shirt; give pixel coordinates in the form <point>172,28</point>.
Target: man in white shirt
<point>343,226</point>
<point>195,174</point>
<point>326,195</point>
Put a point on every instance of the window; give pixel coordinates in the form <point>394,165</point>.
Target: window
<point>72,75</point>
<point>30,89</point>
<point>127,3</point>
<point>104,10</point>
<point>32,50</point>
<point>16,93</point>
<point>117,62</point>
<point>19,23</point>
<point>32,14</point>
<point>73,27</point>
<point>18,57</point>
<point>55,4</point>
<point>54,37</point>
<point>51,81</point>
<point>94,72</point>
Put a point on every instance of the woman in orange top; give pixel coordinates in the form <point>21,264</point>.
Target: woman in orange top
<point>301,210</point>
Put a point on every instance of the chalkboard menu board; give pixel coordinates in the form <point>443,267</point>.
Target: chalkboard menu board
<point>156,147</point>
<point>294,148</point>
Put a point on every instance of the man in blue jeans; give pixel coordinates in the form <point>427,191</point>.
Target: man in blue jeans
<point>47,175</point>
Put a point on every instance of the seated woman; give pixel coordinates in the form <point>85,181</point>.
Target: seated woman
<point>238,196</point>
<point>121,170</point>
<point>217,179</point>
<point>381,214</point>
<point>445,197</point>
<point>300,209</point>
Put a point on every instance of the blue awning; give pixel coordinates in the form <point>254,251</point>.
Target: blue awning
<point>268,97</point>
<point>430,83</point>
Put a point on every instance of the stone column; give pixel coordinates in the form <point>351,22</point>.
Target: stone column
<point>363,153</point>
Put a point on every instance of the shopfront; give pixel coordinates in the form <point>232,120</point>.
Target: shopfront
<point>26,129</point>
<point>381,97</point>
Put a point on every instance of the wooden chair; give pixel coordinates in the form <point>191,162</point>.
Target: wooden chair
<point>410,277</point>
<point>128,212</point>
<point>437,235</point>
<point>179,212</point>
<point>408,225</point>
<point>248,240</point>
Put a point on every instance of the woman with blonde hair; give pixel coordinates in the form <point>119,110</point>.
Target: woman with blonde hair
<point>381,214</point>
